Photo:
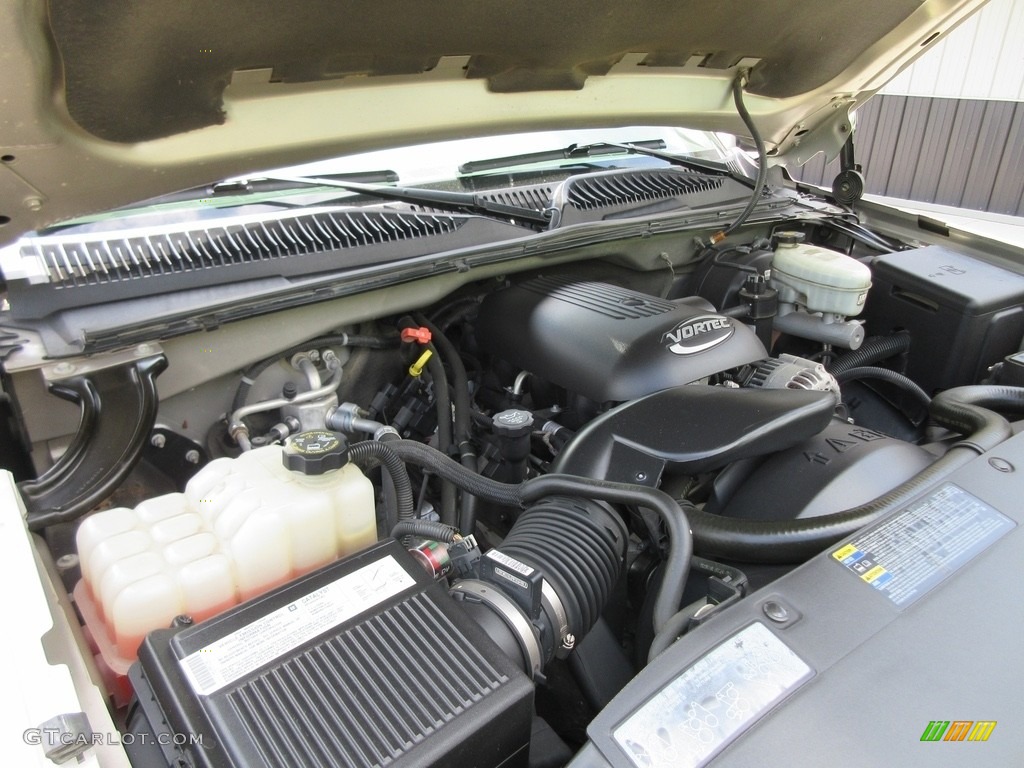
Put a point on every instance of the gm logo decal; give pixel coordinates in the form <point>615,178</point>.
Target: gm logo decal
<point>958,730</point>
<point>698,334</point>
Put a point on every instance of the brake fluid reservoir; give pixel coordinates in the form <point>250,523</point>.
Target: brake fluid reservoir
<point>818,279</point>
<point>242,527</point>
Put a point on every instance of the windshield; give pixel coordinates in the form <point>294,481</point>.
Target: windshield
<point>440,161</point>
<point>453,164</point>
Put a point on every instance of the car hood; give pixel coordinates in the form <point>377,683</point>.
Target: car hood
<point>106,103</point>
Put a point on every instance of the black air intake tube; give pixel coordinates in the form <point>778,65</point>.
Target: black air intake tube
<point>579,547</point>
<point>545,586</point>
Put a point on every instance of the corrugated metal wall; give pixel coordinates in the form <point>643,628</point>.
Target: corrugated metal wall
<point>967,153</point>
<point>983,58</point>
<point>950,128</point>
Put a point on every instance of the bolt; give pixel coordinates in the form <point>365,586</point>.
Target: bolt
<point>775,611</point>
<point>1001,465</point>
<point>158,440</point>
<point>569,641</point>
<point>641,476</point>
<point>67,562</point>
<point>33,203</point>
<point>144,349</point>
<point>192,457</point>
<point>63,369</point>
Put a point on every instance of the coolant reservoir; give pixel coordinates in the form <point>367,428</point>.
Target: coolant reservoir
<point>241,527</point>
<point>818,279</point>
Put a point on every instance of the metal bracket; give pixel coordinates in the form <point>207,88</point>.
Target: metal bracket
<point>848,185</point>
<point>119,406</point>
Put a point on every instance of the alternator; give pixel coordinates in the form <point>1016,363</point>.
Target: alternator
<point>791,372</point>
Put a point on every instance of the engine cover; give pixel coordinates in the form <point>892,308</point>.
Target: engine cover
<point>609,343</point>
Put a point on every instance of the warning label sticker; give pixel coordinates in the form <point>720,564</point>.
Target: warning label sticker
<point>702,710</point>
<point>268,638</point>
<point>910,553</point>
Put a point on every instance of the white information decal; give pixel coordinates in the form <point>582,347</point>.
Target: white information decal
<point>268,638</point>
<point>693,717</point>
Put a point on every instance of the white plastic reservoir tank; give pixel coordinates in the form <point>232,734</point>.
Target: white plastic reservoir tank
<point>242,527</point>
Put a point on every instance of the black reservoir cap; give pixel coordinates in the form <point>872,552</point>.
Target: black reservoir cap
<point>514,422</point>
<point>315,452</point>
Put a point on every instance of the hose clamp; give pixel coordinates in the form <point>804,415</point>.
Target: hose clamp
<point>386,432</point>
<point>553,607</point>
<point>510,614</point>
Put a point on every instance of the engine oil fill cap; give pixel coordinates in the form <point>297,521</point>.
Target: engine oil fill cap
<point>315,452</point>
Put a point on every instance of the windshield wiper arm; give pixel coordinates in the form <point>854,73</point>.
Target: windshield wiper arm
<point>263,184</point>
<point>640,148</point>
<point>571,152</point>
<point>650,148</point>
<point>462,202</point>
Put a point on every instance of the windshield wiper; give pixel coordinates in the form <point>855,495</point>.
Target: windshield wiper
<point>264,184</point>
<point>461,202</point>
<point>651,148</point>
<point>572,152</point>
<point>637,148</point>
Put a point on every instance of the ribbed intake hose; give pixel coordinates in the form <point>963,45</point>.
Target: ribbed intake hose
<point>963,410</point>
<point>576,543</point>
<point>543,588</point>
<point>578,546</point>
<point>675,516</point>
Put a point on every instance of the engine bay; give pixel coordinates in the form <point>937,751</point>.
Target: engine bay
<point>454,533</point>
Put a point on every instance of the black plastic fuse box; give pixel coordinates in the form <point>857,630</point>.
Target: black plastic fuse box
<point>365,662</point>
<point>963,314</point>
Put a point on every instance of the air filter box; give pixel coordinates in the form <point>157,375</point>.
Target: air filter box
<point>963,314</point>
<point>365,662</point>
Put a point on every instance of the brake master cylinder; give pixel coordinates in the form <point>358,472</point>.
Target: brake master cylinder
<point>242,527</point>
<point>819,290</point>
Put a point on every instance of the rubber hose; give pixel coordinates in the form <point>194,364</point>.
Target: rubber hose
<point>460,388</point>
<point>675,517</point>
<point>793,541</point>
<point>762,156</point>
<point>443,404</point>
<point>341,340</point>
<point>873,350</point>
<point>579,546</point>
<point>363,452</point>
<point>431,459</point>
<point>969,411</point>
<point>672,629</point>
<point>884,374</point>
<point>424,529</point>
